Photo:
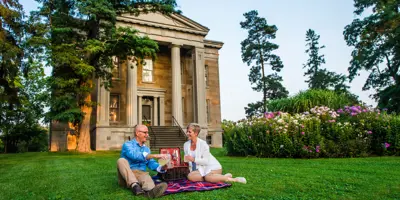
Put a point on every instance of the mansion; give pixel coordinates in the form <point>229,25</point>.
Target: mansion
<point>179,87</point>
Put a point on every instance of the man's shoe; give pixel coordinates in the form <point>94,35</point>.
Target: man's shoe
<point>137,190</point>
<point>157,191</point>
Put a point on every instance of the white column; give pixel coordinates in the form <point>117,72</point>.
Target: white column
<point>155,111</point>
<point>162,111</point>
<point>200,88</point>
<point>103,98</point>
<point>176,83</point>
<point>139,110</point>
<point>131,94</point>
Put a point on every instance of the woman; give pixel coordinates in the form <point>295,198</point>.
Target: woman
<point>203,165</point>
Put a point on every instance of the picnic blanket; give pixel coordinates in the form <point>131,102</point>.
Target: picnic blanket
<point>189,186</point>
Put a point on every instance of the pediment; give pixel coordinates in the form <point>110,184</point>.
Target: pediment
<point>171,21</point>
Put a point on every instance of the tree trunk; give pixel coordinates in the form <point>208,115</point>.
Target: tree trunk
<point>264,89</point>
<point>84,129</point>
<point>5,144</point>
<point>263,80</point>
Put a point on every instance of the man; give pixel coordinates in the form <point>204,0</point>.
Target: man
<point>135,156</point>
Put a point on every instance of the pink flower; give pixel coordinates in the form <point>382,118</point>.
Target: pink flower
<point>387,145</point>
<point>302,126</point>
<point>317,149</point>
<point>369,132</point>
<point>269,115</point>
<point>302,133</point>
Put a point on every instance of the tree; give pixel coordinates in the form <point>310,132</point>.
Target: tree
<point>11,50</point>
<point>257,52</point>
<point>22,79</point>
<point>254,109</point>
<point>318,77</point>
<point>315,60</point>
<point>376,42</point>
<point>83,39</point>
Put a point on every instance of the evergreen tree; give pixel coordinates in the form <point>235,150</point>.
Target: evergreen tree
<point>376,42</point>
<point>22,80</point>
<point>254,109</point>
<point>318,77</point>
<point>257,52</point>
<point>315,60</point>
<point>83,39</point>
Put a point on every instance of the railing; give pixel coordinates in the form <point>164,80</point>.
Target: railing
<point>175,122</point>
<point>153,137</point>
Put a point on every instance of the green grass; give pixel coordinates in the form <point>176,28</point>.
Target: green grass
<point>93,176</point>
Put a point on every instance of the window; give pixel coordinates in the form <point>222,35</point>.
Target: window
<point>206,75</point>
<point>208,111</point>
<point>209,139</point>
<point>114,107</point>
<point>147,72</point>
<point>116,67</point>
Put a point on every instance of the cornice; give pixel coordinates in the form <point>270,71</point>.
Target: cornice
<point>213,44</point>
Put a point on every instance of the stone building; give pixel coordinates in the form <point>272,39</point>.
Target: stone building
<point>179,87</point>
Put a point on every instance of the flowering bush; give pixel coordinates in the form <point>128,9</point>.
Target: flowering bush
<point>320,132</point>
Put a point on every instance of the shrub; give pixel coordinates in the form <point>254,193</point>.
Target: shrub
<point>306,100</point>
<point>24,139</point>
<point>321,132</point>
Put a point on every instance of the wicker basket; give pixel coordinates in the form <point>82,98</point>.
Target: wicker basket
<point>177,169</point>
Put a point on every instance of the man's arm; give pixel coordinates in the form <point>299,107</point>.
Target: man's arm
<point>153,165</point>
<point>133,154</point>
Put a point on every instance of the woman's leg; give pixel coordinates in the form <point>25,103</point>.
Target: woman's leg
<point>216,176</point>
<point>195,176</point>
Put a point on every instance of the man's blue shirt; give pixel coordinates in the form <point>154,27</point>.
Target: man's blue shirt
<point>133,152</point>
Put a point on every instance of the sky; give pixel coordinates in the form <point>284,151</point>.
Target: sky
<point>293,18</point>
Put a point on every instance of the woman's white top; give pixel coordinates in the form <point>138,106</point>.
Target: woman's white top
<point>205,161</point>
<point>192,153</point>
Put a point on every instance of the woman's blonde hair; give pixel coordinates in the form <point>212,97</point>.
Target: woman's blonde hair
<point>195,127</point>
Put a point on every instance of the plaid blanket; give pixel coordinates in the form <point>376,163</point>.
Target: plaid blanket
<point>189,186</point>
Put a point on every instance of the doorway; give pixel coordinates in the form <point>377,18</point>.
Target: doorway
<point>147,111</point>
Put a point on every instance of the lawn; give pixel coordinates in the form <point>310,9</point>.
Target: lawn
<point>93,176</point>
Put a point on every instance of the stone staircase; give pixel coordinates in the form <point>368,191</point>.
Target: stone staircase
<point>165,137</point>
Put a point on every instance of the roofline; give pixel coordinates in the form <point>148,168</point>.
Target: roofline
<point>213,44</point>
<point>194,22</point>
<point>198,28</point>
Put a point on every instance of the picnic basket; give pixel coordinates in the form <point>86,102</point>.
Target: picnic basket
<point>177,169</point>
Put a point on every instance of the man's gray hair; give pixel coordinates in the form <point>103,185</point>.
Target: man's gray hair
<point>195,127</point>
<point>134,130</point>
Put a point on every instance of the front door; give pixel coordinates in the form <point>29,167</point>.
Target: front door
<point>147,110</point>
<point>146,115</point>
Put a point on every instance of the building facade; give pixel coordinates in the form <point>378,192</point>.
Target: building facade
<point>179,87</point>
